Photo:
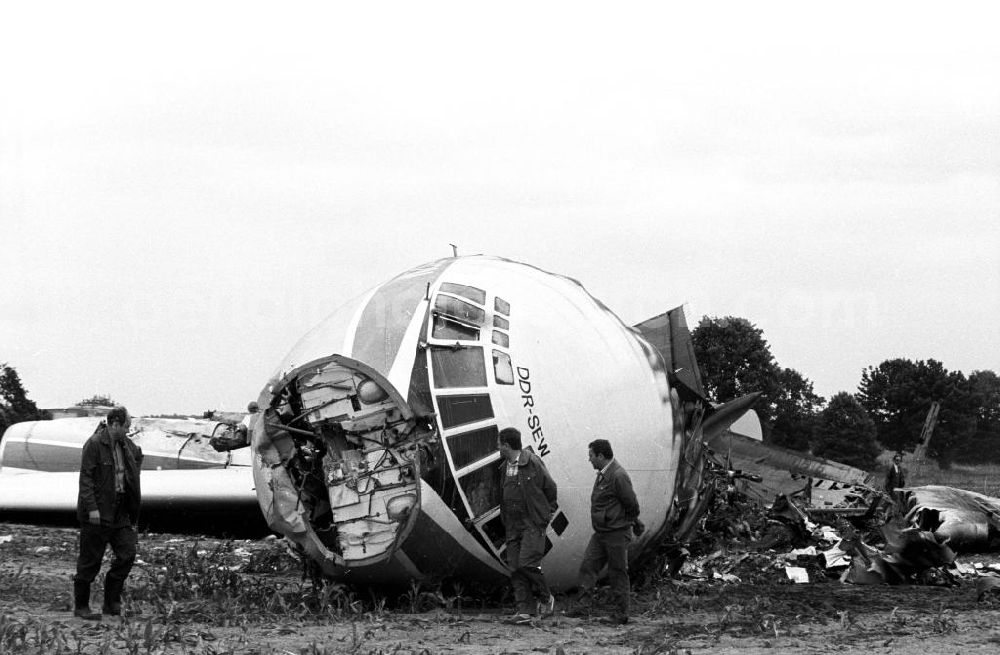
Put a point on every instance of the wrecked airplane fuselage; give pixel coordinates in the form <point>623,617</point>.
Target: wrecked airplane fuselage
<point>377,454</point>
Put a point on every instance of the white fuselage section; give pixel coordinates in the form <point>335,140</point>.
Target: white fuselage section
<point>485,343</point>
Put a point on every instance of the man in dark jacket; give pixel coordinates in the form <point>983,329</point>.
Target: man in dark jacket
<point>614,515</point>
<point>108,510</point>
<point>527,506</point>
<point>895,477</point>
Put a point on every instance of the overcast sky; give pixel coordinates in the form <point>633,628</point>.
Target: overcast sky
<point>185,191</point>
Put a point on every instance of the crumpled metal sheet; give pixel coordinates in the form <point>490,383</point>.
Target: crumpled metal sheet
<point>911,555</point>
<point>968,520</point>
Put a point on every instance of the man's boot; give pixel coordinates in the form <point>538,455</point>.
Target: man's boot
<point>81,601</point>
<point>112,596</point>
<point>582,605</point>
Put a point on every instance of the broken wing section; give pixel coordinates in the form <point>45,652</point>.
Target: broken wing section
<point>821,483</point>
<point>338,459</point>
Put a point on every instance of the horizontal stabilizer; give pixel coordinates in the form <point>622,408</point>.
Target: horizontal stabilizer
<point>724,415</point>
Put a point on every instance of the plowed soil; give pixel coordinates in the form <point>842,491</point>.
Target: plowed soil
<point>185,608</point>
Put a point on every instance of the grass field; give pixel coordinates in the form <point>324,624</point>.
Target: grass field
<point>984,478</point>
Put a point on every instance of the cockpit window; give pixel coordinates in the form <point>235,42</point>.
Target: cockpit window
<point>472,293</point>
<point>502,369</point>
<point>463,311</point>
<point>501,339</point>
<point>447,329</point>
<point>501,323</point>
<point>458,367</point>
<point>501,306</point>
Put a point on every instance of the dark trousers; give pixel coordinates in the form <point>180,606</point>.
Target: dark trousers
<point>94,539</point>
<point>525,549</point>
<point>610,549</point>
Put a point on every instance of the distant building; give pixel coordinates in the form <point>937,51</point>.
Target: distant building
<point>77,411</point>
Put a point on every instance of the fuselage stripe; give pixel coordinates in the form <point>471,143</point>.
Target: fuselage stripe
<point>388,313</point>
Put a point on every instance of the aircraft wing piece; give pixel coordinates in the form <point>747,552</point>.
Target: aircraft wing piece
<point>790,472</point>
<point>184,500</point>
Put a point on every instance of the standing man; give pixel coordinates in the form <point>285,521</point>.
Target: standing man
<point>895,477</point>
<point>529,501</point>
<point>108,510</point>
<point>614,514</point>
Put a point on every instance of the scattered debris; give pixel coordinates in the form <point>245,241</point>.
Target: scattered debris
<point>797,574</point>
<point>987,585</point>
<point>743,540</point>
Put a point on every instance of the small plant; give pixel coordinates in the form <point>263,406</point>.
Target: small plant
<point>944,622</point>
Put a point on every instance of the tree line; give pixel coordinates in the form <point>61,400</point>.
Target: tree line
<point>14,403</point>
<point>886,412</point>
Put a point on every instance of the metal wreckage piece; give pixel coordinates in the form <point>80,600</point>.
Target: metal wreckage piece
<point>968,520</point>
<point>922,530</point>
<point>911,555</point>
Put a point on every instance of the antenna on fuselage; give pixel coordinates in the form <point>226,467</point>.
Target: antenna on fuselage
<point>454,250</point>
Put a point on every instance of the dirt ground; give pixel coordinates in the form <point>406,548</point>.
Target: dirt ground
<point>214,596</point>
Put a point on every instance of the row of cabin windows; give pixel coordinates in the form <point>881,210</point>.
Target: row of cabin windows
<point>447,329</point>
<point>463,366</point>
<point>478,296</point>
<point>458,366</point>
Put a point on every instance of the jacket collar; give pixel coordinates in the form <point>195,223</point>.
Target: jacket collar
<point>102,434</point>
<point>522,459</point>
<point>608,469</point>
<point>104,437</point>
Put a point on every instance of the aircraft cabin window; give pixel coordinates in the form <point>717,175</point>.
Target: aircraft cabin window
<point>501,323</point>
<point>464,409</point>
<point>472,293</point>
<point>473,446</point>
<point>458,367</point>
<point>502,306</point>
<point>460,309</point>
<point>445,329</point>
<point>482,488</point>
<point>501,339</point>
<point>503,372</point>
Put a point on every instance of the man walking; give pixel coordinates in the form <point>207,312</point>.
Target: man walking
<point>614,514</point>
<point>527,506</point>
<point>108,510</point>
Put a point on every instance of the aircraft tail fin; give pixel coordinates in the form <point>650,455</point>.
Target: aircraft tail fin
<point>669,334</point>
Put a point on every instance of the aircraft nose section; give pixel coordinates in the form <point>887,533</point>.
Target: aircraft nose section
<point>338,462</point>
